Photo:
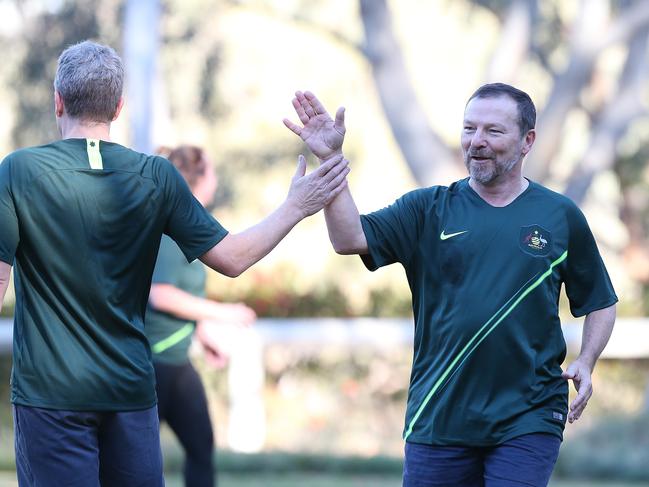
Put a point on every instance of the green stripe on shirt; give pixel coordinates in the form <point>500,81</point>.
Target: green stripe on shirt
<point>173,339</point>
<point>464,354</point>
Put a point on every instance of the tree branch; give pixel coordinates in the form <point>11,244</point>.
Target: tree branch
<point>614,120</point>
<point>429,158</point>
<point>515,41</point>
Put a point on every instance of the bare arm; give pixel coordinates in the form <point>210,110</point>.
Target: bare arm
<point>597,330</point>
<point>324,137</point>
<point>344,225</point>
<point>307,195</point>
<point>181,304</point>
<point>5,272</point>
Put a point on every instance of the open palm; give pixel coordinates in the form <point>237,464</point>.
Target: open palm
<point>322,135</point>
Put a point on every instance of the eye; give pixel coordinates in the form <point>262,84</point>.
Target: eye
<point>468,128</point>
<point>495,131</point>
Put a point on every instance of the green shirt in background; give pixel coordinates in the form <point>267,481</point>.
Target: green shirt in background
<point>169,336</point>
<point>485,285</point>
<point>81,222</point>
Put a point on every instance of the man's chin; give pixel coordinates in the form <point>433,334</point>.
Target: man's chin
<point>482,176</point>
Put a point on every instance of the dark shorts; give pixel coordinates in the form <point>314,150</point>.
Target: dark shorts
<point>527,460</point>
<point>87,449</point>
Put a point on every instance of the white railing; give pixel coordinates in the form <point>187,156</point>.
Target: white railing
<point>630,337</point>
<point>247,422</point>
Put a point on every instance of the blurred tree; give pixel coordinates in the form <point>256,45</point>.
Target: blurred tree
<point>525,34</point>
<point>46,36</point>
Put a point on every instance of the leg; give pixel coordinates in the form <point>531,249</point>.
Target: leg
<point>165,377</point>
<point>129,449</point>
<point>442,466</point>
<point>527,460</point>
<point>188,416</point>
<point>56,447</point>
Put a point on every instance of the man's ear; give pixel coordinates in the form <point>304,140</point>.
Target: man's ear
<point>120,105</point>
<point>528,142</point>
<point>59,107</point>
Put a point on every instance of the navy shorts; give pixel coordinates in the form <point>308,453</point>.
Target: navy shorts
<point>87,449</point>
<point>524,461</point>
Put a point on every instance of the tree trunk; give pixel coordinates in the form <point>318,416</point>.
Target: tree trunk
<point>611,125</point>
<point>428,157</point>
<point>514,43</point>
<point>141,43</point>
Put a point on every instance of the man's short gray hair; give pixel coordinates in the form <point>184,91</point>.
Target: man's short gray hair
<point>89,79</point>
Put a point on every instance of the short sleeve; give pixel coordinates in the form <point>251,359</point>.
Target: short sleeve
<point>189,224</point>
<point>392,233</point>
<point>9,235</point>
<point>588,285</point>
<point>170,260</point>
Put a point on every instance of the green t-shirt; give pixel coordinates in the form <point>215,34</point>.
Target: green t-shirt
<point>81,222</point>
<point>169,336</point>
<point>485,285</point>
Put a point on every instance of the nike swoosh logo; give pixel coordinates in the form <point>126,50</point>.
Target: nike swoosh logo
<point>446,236</point>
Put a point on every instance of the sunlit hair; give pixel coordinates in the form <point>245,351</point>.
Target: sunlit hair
<point>190,161</point>
<point>90,78</point>
<point>526,108</point>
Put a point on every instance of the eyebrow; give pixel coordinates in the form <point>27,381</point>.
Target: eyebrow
<point>487,125</point>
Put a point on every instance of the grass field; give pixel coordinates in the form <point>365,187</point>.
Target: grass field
<point>301,479</point>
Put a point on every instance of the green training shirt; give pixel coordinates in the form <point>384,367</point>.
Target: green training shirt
<point>485,285</point>
<point>81,222</point>
<point>170,336</point>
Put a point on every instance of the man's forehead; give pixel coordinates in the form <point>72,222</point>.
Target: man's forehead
<point>498,108</point>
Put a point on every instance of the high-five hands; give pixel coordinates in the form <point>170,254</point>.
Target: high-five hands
<point>322,135</point>
<point>311,192</point>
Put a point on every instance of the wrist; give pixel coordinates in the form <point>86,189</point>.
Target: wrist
<point>336,153</point>
<point>587,361</point>
<point>292,211</point>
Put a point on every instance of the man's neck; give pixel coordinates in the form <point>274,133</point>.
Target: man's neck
<point>500,193</point>
<point>77,129</point>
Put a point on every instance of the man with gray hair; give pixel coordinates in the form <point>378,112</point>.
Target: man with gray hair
<point>81,220</point>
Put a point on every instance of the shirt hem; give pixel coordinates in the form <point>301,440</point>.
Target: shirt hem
<point>440,441</point>
<point>208,246</point>
<point>102,407</point>
<point>595,307</point>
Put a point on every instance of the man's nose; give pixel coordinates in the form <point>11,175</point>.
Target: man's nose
<point>478,139</point>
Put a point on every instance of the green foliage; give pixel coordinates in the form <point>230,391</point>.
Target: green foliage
<point>386,302</point>
<point>277,295</point>
<point>271,300</point>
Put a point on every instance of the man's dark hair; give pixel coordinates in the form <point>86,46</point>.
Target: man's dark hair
<point>526,108</point>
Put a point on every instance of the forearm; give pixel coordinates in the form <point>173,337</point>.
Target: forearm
<point>344,221</point>
<point>344,225</point>
<point>597,330</point>
<point>5,272</point>
<point>237,252</point>
<point>181,304</point>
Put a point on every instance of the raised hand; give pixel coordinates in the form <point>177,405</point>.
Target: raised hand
<point>322,135</point>
<point>311,192</point>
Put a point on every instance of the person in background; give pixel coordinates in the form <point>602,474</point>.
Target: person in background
<point>177,304</point>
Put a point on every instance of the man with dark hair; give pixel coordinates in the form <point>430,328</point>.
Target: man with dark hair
<point>81,219</point>
<point>485,259</point>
